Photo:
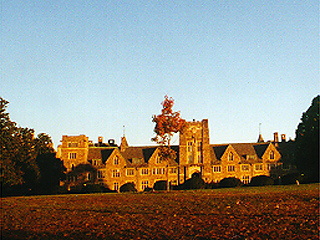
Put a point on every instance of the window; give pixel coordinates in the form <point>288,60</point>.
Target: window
<point>130,172</point>
<point>95,162</point>
<point>189,149</point>
<point>200,158</point>
<point>144,184</point>
<point>173,170</point>
<point>72,144</point>
<point>258,167</point>
<point>216,168</point>
<point>245,167</point>
<point>144,171</point>
<point>231,168</point>
<point>271,155</point>
<point>72,167</point>
<point>157,171</point>
<point>100,174</point>
<point>271,166</point>
<point>72,178</point>
<point>116,186</point>
<point>246,179</point>
<point>116,173</point>
<point>190,158</point>
<point>89,176</point>
<point>230,156</point>
<point>116,161</point>
<point>72,155</point>
<point>199,146</point>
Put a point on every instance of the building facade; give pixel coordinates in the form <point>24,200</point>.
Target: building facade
<point>112,166</point>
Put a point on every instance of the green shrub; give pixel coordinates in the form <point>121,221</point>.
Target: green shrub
<point>211,185</point>
<point>196,182</point>
<point>128,187</point>
<point>148,189</point>
<point>261,180</point>
<point>160,185</point>
<point>230,182</point>
<point>94,188</point>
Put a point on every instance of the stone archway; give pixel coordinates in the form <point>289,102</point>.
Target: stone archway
<point>196,175</point>
<point>194,170</point>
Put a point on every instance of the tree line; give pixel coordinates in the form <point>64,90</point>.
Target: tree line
<point>28,164</point>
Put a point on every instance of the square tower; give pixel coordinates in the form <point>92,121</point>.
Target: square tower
<point>73,151</point>
<point>194,149</point>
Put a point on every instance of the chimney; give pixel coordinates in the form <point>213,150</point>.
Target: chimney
<point>275,137</point>
<point>100,139</point>
<point>283,138</point>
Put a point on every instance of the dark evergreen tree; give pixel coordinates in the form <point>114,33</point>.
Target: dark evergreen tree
<point>307,142</point>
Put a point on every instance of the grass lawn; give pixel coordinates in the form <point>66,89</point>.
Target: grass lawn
<point>273,212</point>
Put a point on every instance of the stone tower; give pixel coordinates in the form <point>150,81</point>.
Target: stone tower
<point>74,151</point>
<point>194,150</point>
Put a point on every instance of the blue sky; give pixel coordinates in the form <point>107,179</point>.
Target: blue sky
<point>90,67</point>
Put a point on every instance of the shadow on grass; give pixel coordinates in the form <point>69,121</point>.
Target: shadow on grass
<point>24,235</point>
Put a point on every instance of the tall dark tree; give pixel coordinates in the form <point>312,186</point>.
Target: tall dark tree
<point>10,173</point>
<point>24,159</point>
<point>51,168</point>
<point>307,142</point>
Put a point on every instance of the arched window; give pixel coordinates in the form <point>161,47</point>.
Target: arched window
<point>271,155</point>
<point>116,160</point>
<point>230,156</point>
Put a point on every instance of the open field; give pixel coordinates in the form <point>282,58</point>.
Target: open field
<point>274,212</point>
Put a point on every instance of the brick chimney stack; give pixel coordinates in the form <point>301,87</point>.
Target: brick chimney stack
<point>283,138</point>
<point>276,137</point>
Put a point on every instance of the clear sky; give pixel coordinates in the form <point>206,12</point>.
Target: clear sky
<point>90,67</point>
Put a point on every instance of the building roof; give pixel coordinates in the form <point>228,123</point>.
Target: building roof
<point>140,156</point>
<point>255,150</point>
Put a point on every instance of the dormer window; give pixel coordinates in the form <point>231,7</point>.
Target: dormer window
<point>230,156</point>
<point>250,157</point>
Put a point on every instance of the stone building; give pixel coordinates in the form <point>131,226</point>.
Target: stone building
<point>113,166</point>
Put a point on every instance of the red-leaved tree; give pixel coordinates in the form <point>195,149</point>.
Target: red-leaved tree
<point>167,123</point>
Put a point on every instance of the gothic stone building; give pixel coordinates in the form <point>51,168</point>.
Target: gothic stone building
<point>113,166</point>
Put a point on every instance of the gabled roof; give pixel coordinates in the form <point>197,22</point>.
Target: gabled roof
<point>102,153</point>
<point>143,153</point>
<point>260,149</point>
<point>242,149</point>
<point>106,153</point>
<point>219,150</point>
